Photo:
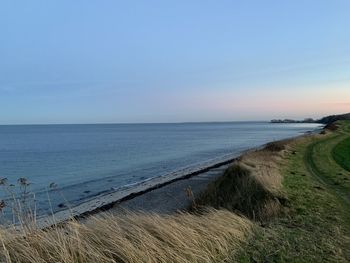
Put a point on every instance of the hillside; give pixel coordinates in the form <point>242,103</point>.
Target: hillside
<point>334,118</point>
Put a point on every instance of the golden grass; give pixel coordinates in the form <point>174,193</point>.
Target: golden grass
<point>252,186</point>
<point>265,168</point>
<point>239,191</point>
<point>133,237</point>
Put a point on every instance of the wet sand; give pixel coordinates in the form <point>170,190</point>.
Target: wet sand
<point>172,197</point>
<point>164,194</point>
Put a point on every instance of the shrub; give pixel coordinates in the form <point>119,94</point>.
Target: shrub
<point>331,127</point>
<point>237,190</point>
<point>275,146</point>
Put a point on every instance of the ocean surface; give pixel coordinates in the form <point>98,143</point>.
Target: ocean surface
<point>87,160</point>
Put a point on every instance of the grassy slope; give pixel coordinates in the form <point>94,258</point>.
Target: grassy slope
<point>341,154</point>
<point>316,225</point>
<point>130,238</point>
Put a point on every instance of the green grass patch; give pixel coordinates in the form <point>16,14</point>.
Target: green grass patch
<point>341,154</point>
<point>315,228</point>
<point>316,224</point>
<point>320,163</point>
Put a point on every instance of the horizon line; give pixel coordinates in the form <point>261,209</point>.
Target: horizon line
<point>128,123</point>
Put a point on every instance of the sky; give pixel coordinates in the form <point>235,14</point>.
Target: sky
<point>110,61</point>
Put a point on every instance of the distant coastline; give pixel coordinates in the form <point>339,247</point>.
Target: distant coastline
<point>325,120</point>
<point>308,120</point>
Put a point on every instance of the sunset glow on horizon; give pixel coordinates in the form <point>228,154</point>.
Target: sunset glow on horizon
<point>156,61</point>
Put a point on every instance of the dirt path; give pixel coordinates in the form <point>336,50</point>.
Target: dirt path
<point>319,161</point>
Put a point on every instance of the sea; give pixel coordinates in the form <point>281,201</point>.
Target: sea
<point>69,164</point>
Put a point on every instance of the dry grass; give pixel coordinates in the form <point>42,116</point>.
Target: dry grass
<point>252,186</point>
<point>316,225</point>
<point>264,166</point>
<point>239,191</point>
<point>275,146</point>
<point>210,237</point>
<point>267,165</point>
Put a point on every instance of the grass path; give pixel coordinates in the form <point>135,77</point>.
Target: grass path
<point>320,162</point>
<point>316,224</point>
<point>306,185</point>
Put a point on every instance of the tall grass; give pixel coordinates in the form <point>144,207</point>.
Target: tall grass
<point>211,236</point>
<point>19,203</point>
<point>251,186</point>
<point>133,237</point>
<point>238,191</point>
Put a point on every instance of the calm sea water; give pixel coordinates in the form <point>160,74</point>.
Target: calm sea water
<point>85,160</point>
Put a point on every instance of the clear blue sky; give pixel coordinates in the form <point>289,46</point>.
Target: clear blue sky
<point>77,61</point>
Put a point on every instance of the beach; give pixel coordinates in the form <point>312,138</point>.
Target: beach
<point>76,170</point>
<point>237,207</point>
<point>164,194</point>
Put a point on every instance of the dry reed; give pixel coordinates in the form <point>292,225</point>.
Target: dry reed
<point>133,237</point>
<point>251,186</point>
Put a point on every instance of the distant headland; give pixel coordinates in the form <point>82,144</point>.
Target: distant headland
<point>325,120</point>
<point>308,120</point>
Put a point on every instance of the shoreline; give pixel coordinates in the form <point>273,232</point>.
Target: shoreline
<point>275,195</point>
<point>108,201</point>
